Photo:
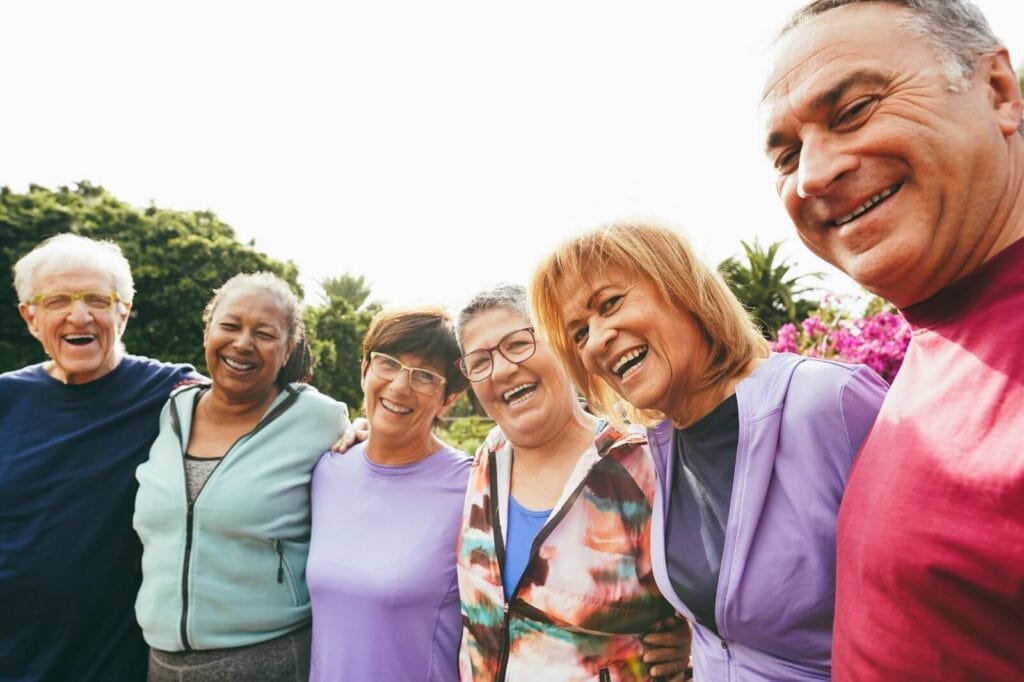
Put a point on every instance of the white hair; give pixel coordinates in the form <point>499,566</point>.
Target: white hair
<point>66,253</point>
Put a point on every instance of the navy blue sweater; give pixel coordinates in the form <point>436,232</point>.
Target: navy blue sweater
<point>69,559</point>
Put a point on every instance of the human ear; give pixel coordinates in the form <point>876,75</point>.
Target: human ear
<point>29,316</point>
<point>1005,95</point>
<point>446,405</point>
<point>122,316</point>
<point>362,376</point>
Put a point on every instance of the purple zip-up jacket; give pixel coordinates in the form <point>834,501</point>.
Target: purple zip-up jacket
<point>801,423</point>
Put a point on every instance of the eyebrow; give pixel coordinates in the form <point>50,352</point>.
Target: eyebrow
<point>829,97</point>
<point>238,318</point>
<point>589,305</point>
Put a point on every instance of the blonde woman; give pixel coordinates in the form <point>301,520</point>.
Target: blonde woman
<point>752,448</point>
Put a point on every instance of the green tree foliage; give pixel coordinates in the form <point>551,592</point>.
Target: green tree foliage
<point>178,258</point>
<point>765,285</point>
<point>354,290</point>
<point>336,330</point>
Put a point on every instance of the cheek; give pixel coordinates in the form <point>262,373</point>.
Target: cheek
<point>791,200</point>
<point>484,392</point>
<point>588,362</point>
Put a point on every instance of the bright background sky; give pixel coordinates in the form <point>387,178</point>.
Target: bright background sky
<point>434,147</point>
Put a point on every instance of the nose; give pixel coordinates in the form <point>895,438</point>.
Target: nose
<point>599,335</point>
<point>501,366</point>
<point>823,161</point>
<point>399,383</point>
<point>79,313</point>
<point>243,340</point>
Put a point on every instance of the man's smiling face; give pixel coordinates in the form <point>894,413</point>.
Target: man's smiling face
<point>886,172</point>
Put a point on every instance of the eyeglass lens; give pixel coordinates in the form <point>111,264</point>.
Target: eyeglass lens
<point>515,347</point>
<point>61,300</point>
<point>388,368</point>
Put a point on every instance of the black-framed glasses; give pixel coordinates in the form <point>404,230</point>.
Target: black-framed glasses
<point>516,347</point>
<point>420,379</point>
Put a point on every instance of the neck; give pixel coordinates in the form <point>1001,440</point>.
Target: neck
<point>1010,215</point>
<point>701,404</point>
<point>223,407</point>
<point>568,442</point>
<point>389,452</point>
<point>58,373</point>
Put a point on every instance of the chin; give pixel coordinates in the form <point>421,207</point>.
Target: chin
<point>879,272</point>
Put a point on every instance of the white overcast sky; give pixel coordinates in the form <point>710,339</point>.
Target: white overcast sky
<point>434,147</point>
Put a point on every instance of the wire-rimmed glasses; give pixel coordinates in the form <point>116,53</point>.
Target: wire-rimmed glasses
<point>420,379</point>
<point>516,347</point>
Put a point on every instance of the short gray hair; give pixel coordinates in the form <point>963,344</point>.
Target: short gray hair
<point>955,28</point>
<point>68,252</point>
<point>508,296</point>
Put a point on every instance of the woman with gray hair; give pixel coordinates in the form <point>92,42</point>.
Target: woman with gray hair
<point>554,562</point>
<point>74,427</point>
<point>223,508</point>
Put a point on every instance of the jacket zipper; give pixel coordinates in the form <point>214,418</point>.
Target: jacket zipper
<point>280,561</point>
<point>499,548</point>
<point>189,520</point>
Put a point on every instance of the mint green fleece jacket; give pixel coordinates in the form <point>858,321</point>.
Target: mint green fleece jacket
<point>229,569</point>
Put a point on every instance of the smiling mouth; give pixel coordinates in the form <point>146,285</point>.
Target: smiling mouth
<point>393,407</point>
<point>629,362</point>
<point>865,207</point>
<point>236,365</point>
<point>519,394</point>
<point>79,339</point>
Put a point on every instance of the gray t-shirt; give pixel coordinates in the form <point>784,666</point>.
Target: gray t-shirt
<point>197,470</point>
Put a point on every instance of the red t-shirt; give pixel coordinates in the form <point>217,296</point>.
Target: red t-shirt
<point>930,573</point>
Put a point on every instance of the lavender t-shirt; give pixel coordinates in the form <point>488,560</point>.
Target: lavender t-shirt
<point>381,568</point>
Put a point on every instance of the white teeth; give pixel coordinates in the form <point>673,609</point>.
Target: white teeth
<point>628,357</point>
<point>867,205</point>
<point>395,408</point>
<point>235,364</point>
<point>507,395</point>
<point>79,337</point>
<point>519,394</point>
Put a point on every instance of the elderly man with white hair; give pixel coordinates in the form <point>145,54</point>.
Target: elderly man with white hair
<point>72,431</point>
<point>895,130</point>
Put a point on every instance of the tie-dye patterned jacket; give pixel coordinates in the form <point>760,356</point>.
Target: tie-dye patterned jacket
<point>587,595</point>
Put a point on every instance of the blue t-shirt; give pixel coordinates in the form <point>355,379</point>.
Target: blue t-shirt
<point>69,559</point>
<point>523,526</point>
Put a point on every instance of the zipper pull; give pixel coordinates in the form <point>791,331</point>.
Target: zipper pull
<point>280,561</point>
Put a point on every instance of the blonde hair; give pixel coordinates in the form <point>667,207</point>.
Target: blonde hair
<point>664,259</point>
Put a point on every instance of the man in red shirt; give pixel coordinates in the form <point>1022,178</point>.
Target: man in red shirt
<point>895,128</point>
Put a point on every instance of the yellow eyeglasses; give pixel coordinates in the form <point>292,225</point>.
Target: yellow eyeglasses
<point>62,300</point>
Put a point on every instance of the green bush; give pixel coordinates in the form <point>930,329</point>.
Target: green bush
<point>466,433</point>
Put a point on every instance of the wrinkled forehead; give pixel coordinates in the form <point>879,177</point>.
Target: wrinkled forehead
<point>576,295</point>
<point>59,278</point>
<point>487,327</point>
<point>815,59</point>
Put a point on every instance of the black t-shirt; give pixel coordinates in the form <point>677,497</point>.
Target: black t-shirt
<point>704,464</point>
